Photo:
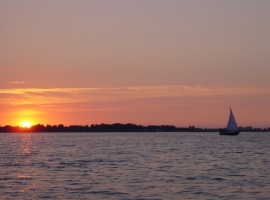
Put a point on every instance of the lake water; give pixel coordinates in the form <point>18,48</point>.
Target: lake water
<point>134,166</point>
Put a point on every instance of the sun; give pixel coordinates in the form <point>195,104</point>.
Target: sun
<point>26,125</point>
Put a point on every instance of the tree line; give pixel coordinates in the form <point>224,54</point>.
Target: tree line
<point>117,127</point>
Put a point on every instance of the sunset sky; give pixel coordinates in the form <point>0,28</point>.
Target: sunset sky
<point>173,62</point>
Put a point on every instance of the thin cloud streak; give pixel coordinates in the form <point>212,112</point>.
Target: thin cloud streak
<point>36,96</point>
<point>17,82</point>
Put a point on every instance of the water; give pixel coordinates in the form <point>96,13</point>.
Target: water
<point>134,166</point>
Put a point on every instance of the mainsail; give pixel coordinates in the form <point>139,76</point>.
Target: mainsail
<point>232,126</point>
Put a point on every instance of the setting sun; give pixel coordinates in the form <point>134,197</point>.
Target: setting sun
<point>26,124</point>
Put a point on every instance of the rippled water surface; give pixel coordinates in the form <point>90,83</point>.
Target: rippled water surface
<point>134,166</point>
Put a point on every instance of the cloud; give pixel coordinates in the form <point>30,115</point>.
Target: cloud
<point>16,82</point>
<point>155,104</point>
<point>45,96</point>
<point>29,112</point>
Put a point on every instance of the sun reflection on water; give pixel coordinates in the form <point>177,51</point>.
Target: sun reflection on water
<point>26,143</point>
<point>26,170</point>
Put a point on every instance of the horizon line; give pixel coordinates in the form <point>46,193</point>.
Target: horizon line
<point>89,125</point>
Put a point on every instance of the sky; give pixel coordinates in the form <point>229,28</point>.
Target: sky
<point>152,62</point>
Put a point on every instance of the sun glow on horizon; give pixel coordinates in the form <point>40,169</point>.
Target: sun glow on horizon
<point>26,124</point>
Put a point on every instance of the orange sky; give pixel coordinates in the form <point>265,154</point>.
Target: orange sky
<point>146,62</point>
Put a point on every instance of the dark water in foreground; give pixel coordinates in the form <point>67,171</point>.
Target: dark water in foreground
<point>134,166</point>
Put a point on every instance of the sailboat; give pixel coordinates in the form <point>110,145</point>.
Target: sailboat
<point>232,128</point>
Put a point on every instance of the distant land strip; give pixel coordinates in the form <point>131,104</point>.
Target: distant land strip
<point>117,127</point>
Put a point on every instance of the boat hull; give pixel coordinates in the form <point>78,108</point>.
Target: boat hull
<point>229,132</point>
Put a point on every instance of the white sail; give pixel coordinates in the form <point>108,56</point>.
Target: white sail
<point>232,126</point>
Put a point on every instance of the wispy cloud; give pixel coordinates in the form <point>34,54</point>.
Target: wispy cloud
<point>16,82</point>
<point>29,112</point>
<point>156,104</point>
<point>76,95</point>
